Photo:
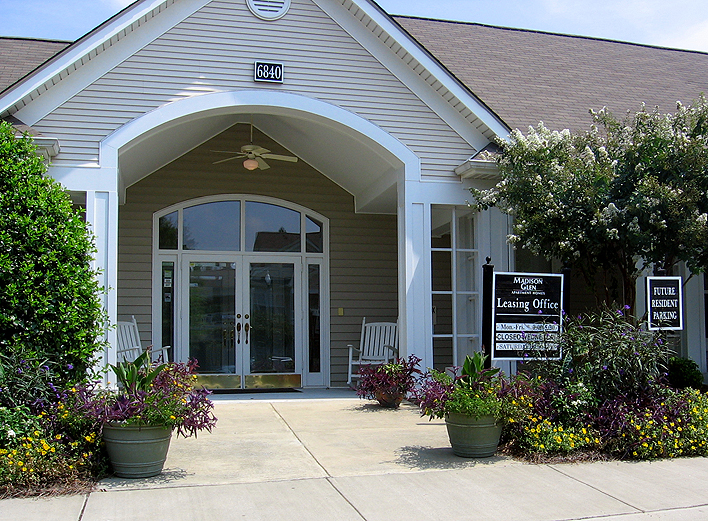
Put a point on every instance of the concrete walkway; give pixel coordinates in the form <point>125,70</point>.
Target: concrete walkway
<point>320,456</point>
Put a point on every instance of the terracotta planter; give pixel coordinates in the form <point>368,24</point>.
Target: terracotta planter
<point>389,400</point>
<point>136,451</point>
<point>473,438</point>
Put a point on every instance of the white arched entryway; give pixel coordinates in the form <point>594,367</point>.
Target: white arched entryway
<point>353,152</point>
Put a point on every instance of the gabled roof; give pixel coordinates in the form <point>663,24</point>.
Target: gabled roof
<point>366,13</point>
<point>20,56</point>
<point>523,76</point>
<point>531,76</point>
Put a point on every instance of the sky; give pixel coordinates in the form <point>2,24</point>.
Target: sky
<point>680,24</point>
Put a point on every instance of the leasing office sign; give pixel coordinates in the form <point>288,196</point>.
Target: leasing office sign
<point>665,303</point>
<point>527,314</point>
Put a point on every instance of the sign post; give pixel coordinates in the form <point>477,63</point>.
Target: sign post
<point>527,316</point>
<point>665,303</point>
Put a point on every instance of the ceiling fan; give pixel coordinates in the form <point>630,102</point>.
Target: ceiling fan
<point>255,156</point>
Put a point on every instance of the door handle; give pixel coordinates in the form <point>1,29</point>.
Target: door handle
<point>238,333</point>
<point>246,328</point>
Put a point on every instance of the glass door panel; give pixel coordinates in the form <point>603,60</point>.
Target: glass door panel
<point>272,290</point>
<point>212,313</point>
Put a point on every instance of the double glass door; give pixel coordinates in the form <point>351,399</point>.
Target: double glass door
<point>244,319</point>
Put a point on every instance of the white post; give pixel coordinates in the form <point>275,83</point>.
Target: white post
<point>102,215</point>
<point>414,279</point>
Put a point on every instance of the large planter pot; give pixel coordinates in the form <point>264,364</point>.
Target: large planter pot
<point>389,400</point>
<point>136,451</point>
<point>473,438</point>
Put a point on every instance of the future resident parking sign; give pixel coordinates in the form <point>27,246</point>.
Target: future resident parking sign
<point>665,303</point>
<point>527,316</point>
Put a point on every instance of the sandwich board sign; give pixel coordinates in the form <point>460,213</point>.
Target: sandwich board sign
<point>526,318</point>
<point>665,303</point>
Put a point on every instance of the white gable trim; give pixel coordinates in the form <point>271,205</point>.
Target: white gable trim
<point>405,58</point>
<point>93,56</point>
<point>80,65</point>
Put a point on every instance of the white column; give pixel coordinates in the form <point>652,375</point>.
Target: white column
<point>414,278</point>
<point>694,334</point>
<point>102,215</point>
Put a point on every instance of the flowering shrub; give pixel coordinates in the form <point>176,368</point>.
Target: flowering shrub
<point>662,423</point>
<point>599,200</point>
<point>36,454</point>
<point>25,379</point>
<point>608,354</point>
<point>539,434</point>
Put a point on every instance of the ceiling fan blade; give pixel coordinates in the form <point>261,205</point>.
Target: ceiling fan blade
<point>254,149</point>
<point>262,164</point>
<point>228,159</point>
<point>226,152</point>
<point>280,158</point>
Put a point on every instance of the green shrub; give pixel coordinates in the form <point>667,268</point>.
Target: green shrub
<point>684,373</point>
<point>608,354</point>
<point>49,294</point>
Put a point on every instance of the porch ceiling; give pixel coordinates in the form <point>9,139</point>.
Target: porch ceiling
<point>352,160</point>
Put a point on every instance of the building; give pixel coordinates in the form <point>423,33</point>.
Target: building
<point>373,128</point>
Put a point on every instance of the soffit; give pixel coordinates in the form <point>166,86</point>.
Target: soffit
<point>359,165</point>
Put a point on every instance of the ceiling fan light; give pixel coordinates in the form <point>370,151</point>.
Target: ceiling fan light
<point>250,164</point>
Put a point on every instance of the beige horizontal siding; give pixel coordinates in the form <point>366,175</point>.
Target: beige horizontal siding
<point>214,49</point>
<point>363,256</point>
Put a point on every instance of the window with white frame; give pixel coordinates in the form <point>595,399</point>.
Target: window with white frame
<point>455,284</point>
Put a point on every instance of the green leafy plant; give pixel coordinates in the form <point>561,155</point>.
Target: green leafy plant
<point>25,381</point>
<point>475,392</point>
<point>683,373</point>
<point>608,354</point>
<point>137,375</point>
<point>389,382</point>
<point>150,394</point>
<point>474,372</point>
<point>49,294</point>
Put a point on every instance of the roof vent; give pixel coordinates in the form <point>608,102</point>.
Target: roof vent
<point>269,9</point>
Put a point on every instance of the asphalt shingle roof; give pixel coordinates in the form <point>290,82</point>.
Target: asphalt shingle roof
<point>19,56</point>
<point>530,76</point>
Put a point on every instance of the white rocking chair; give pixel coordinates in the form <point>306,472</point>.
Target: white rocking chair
<point>129,346</point>
<point>378,345</point>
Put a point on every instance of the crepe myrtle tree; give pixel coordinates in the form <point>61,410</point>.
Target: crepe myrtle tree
<point>51,317</point>
<point>613,200</point>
